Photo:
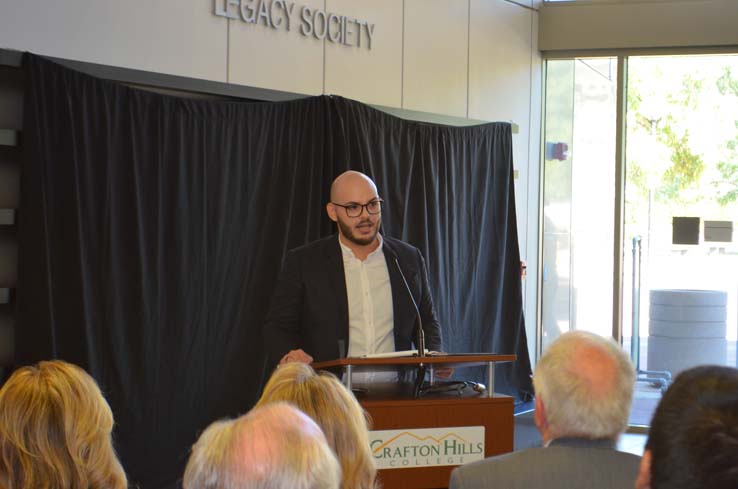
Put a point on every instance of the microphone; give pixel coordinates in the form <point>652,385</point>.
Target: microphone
<point>420,334</point>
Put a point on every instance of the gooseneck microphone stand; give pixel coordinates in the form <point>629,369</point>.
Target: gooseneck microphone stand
<point>419,335</point>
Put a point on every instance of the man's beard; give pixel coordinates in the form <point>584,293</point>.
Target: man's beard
<point>348,232</point>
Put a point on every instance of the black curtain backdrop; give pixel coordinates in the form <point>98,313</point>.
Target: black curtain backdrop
<point>152,230</point>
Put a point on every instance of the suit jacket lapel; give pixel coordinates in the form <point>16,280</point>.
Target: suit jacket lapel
<point>333,260</point>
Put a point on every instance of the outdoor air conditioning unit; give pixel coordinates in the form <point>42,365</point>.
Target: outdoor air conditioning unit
<point>685,230</point>
<point>719,231</point>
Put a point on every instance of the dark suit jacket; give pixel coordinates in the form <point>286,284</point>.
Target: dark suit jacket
<point>567,463</point>
<point>309,309</point>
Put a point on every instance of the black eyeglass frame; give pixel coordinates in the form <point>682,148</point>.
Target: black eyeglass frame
<point>346,207</point>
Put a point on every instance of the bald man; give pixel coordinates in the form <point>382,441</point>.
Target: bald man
<point>275,446</point>
<point>584,388</point>
<point>344,295</point>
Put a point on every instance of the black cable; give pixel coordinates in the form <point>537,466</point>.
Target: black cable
<point>419,379</point>
<point>450,386</point>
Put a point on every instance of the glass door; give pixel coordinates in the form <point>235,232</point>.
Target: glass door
<point>680,280</point>
<point>578,197</point>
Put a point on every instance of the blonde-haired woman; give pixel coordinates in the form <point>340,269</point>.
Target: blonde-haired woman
<point>55,431</point>
<point>322,397</point>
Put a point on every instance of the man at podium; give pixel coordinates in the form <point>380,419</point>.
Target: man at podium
<point>345,295</point>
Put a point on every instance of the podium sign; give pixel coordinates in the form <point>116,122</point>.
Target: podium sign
<point>426,447</point>
<point>401,421</point>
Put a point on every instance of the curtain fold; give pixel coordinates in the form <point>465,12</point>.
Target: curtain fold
<point>152,229</point>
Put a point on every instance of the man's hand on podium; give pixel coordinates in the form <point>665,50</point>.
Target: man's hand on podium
<point>296,356</point>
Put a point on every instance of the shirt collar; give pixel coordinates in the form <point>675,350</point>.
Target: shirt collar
<point>582,442</point>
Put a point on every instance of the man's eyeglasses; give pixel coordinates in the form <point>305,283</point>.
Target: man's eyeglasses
<point>355,210</point>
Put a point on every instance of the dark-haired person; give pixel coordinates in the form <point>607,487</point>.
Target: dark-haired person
<point>345,291</point>
<point>55,431</point>
<point>693,440</point>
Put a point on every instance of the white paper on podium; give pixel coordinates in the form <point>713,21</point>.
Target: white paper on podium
<point>395,354</point>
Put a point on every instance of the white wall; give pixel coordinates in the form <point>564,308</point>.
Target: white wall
<point>436,56</point>
<point>465,58</point>
<point>372,76</point>
<point>179,37</point>
<point>614,24</point>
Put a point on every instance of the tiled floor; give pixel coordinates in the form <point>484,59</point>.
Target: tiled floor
<point>526,434</point>
<point>645,399</point>
<point>632,443</point>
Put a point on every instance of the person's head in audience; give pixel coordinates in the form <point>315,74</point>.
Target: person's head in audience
<point>55,431</point>
<point>322,397</point>
<point>584,387</point>
<point>693,440</point>
<point>271,447</point>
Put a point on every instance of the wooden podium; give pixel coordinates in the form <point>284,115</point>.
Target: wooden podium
<point>392,407</point>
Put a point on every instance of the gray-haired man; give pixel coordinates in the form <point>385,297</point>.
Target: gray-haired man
<point>584,387</point>
<point>271,447</point>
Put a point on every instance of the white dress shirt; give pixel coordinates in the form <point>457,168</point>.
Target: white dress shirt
<point>371,318</point>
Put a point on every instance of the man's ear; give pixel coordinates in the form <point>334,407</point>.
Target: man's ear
<point>644,474</point>
<point>539,415</point>
<point>331,210</point>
